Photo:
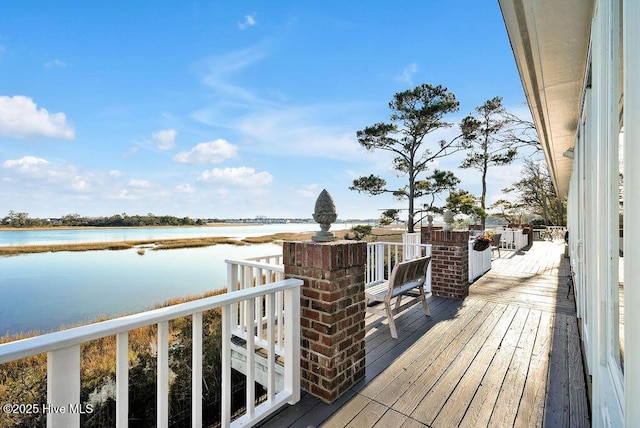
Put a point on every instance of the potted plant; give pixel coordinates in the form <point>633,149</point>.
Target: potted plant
<point>482,242</point>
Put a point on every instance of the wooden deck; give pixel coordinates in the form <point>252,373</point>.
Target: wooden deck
<point>509,355</point>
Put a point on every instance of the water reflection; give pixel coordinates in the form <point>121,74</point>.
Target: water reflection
<point>48,290</point>
<point>66,236</point>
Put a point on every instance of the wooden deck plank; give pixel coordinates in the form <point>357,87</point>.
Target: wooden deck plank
<point>396,370</point>
<point>578,404</point>
<point>557,407</point>
<point>531,407</point>
<point>448,370</point>
<point>438,410</point>
<point>391,419</point>
<point>481,407</point>
<point>416,383</point>
<point>470,336</point>
<point>506,408</point>
<point>369,416</point>
<point>348,412</point>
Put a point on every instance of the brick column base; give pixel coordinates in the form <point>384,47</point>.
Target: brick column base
<point>449,262</point>
<point>332,313</point>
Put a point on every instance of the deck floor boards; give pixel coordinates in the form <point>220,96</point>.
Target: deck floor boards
<point>508,355</point>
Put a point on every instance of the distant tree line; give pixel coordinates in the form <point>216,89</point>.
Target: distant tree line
<point>22,220</point>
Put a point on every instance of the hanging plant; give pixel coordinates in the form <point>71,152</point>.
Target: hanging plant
<point>482,242</point>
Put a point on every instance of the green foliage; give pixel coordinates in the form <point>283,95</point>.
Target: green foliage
<point>463,202</point>
<point>488,138</point>
<point>360,232</point>
<point>415,113</point>
<point>389,216</point>
<point>22,220</point>
<point>536,192</point>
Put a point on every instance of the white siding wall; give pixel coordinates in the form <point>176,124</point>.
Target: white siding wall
<point>593,215</point>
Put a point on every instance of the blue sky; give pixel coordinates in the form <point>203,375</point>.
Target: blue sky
<point>228,108</point>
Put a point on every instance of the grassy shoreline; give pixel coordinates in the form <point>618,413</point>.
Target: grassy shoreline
<point>168,244</point>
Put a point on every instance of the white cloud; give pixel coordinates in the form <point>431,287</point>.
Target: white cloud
<point>317,131</point>
<point>115,173</point>
<point>33,172</point>
<point>212,152</point>
<point>184,188</point>
<point>242,176</point>
<point>20,117</point>
<point>218,70</point>
<point>25,164</point>
<point>164,139</point>
<point>139,184</point>
<point>308,191</point>
<point>249,21</point>
<point>407,74</point>
<point>56,63</point>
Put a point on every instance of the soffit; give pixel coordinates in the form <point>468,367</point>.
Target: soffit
<point>550,43</point>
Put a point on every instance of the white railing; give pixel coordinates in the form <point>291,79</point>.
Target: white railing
<point>479,262</point>
<point>382,256</point>
<point>410,246</point>
<point>513,239</point>
<point>254,272</point>
<point>63,356</point>
<point>273,259</point>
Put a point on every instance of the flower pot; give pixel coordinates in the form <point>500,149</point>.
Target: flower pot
<point>481,245</point>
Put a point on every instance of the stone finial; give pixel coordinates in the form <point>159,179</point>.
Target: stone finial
<point>448,220</point>
<point>324,214</point>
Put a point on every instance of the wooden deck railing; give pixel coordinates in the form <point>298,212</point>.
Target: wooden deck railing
<point>382,256</point>
<point>63,354</point>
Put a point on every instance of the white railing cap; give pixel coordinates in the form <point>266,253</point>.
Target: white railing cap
<point>74,336</point>
<point>259,265</point>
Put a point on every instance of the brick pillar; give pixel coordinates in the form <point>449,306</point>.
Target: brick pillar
<point>332,313</point>
<point>449,262</point>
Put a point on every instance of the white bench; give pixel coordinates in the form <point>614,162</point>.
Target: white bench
<point>407,279</point>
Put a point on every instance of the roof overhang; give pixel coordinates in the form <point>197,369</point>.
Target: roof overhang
<point>550,42</point>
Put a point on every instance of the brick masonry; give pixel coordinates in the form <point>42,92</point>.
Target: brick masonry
<point>332,313</point>
<point>449,262</point>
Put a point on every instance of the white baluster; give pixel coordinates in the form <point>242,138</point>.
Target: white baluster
<point>226,366</point>
<point>63,387</point>
<point>162,419</point>
<point>122,379</point>
<point>196,371</point>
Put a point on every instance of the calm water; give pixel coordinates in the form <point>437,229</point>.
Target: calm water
<point>65,236</point>
<point>46,291</point>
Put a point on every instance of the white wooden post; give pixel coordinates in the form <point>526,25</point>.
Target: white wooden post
<point>122,380</point>
<point>63,387</point>
<point>226,365</point>
<point>196,371</point>
<point>250,387</point>
<point>162,418</point>
<point>292,336</point>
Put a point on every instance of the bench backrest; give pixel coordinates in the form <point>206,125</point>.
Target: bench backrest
<point>410,271</point>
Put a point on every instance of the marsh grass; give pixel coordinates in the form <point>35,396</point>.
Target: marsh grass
<point>378,234</point>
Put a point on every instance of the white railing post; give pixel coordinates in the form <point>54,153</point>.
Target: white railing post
<point>122,380</point>
<point>251,367</point>
<point>196,371</point>
<point>63,387</point>
<point>271,342</point>
<point>162,419</point>
<point>225,417</point>
<point>292,340</point>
